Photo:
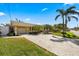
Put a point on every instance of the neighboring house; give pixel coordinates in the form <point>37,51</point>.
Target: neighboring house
<point>21,27</point>
<point>4,30</point>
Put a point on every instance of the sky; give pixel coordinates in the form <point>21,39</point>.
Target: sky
<point>35,13</point>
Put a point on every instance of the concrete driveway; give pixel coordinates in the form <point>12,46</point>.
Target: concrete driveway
<point>57,45</point>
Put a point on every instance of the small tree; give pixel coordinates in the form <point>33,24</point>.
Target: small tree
<point>59,27</point>
<point>37,28</point>
<point>48,28</point>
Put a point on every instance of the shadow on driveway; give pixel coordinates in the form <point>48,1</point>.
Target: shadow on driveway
<point>75,41</point>
<point>59,40</point>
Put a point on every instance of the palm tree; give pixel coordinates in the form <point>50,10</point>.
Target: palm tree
<point>66,16</point>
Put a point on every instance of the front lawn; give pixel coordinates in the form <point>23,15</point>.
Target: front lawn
<point>21,47</point>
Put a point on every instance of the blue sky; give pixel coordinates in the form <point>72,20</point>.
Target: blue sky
<point>38,13</point>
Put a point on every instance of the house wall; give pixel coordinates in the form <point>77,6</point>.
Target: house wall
<point>4,30</point>
<point>21,27</point>
<point>22,30</point>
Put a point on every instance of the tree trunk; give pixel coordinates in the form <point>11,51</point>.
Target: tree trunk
<point>63,26</point>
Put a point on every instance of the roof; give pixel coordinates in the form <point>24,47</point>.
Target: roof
<point>15,23</point>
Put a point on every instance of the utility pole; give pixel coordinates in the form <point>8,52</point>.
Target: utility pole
<point>9,11</point>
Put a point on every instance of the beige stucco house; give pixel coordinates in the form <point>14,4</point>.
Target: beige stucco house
<point>21,27</point>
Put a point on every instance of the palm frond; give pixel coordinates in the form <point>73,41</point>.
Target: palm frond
<point>70,8</point>
<point>61,11</point>
<point>69,19</point>
<point>57,17</point>
<point>58,10</point>
<point>73,12</point>
<point>74,17</point>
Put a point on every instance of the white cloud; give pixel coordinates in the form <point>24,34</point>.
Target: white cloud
<point>27,19</point>
<point>68,3</point>
<point>77,10</point>
<point>44,9</point>
<point>38,23</point>
<point>2,14</point>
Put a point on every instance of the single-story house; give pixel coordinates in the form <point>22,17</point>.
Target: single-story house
<point>21,27</point>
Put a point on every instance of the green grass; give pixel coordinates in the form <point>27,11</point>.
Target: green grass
<point>68,35</point>
<point>57,33</point>
<point>21,47</point>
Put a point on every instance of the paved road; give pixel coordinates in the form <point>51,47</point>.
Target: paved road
<point>75,32</point>
<point>56,45</point>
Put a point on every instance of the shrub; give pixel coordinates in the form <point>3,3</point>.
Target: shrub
<point>11,34</point>
<point>34,33</point>
<point>67,35</point>
<point>70,35</point>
